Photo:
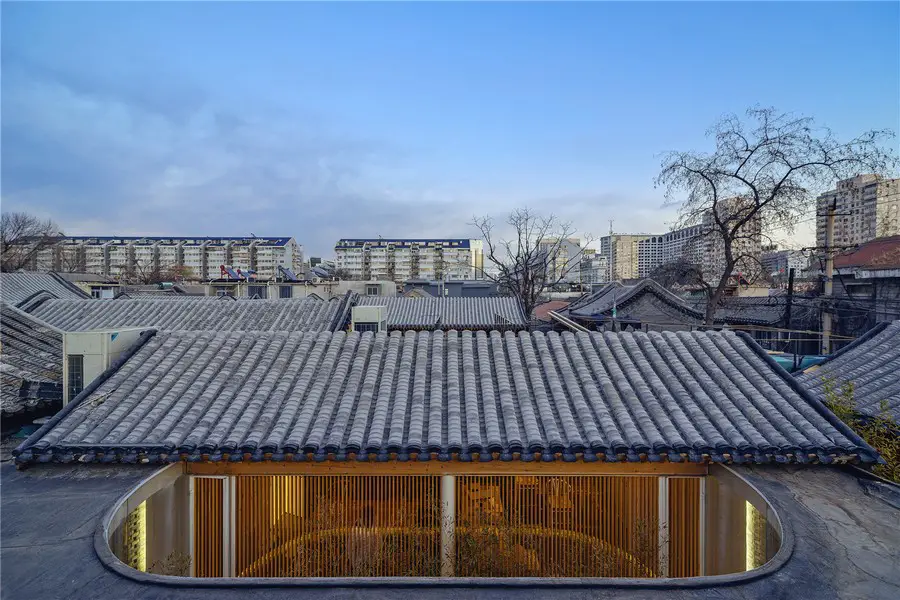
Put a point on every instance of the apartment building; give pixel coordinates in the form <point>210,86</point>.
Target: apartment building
<point>200,258</point>
<point>778,263</point>
<point>686,243</point>
<point>867,207</point>
<point>747,243</point>
<point>402,259</point>
<point>650,254</point>
<point>622,254</point>
<point>594,267</point>
<point>635,256</point>
<point>563,258</point>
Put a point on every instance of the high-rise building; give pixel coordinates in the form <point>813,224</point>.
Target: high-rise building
<point>198,258</point>
<point>563,258</point>
<point>747,244</point>
<point>649,254</point>
<point>404,259</point>
<point>686,243</point>
<point>867,207</point>
<point>622,252</point>
<point>778,263</point>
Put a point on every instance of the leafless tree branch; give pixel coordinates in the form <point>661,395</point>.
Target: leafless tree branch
<point>22,237</point>
<point>530,261</point>
<point>763,175</point>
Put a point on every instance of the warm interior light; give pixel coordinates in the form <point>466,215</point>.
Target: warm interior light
<point>753,524</point>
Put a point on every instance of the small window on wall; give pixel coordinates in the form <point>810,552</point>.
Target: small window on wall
<point>284,291</point>
<point>76,374</point>
<point>372,290</point>
<point>363,327</point>
<point>256,290</point>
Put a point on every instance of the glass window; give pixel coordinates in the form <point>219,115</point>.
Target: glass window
<point>256,290</point>
<point>372,290</point>
<point>76,374</point>
<point>361,327</point>
<point>284,291</point>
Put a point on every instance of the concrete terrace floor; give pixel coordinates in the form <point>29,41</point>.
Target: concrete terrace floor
<point>846,533</point>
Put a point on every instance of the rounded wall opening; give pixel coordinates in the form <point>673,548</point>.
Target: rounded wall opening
<point>181,525</point>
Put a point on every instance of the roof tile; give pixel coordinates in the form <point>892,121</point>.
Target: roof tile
<point>693,393</point>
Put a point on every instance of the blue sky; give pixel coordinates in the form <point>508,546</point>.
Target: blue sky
<point>345,119</point>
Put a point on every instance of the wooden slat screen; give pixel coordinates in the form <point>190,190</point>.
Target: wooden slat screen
<point>684,526</point>
<point>208,533</point>
<point>337,525</point>
<point>390,525</point>
<point>567,526</point>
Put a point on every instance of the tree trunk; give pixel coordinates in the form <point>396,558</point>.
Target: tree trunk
<point>715,296</point>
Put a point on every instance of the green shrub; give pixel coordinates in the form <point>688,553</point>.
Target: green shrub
<point>880,431</point>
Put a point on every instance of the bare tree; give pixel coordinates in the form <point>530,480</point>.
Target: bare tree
<point>22,237</point>
<point>680,272</point>
<point>528,263</point>
<point>147,272</point>
<point>762,176</point>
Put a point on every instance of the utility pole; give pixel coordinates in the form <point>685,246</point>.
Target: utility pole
<point>610,258</point>
<point>829,279</point>
<point>787,314</point>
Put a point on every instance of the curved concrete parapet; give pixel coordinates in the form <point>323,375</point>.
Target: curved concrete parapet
<point>841,539</point>
<point>168,476</point>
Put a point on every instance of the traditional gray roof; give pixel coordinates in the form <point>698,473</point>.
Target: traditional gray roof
<point>759,310</point>
<point>871,363</point>
<point>30,362</point>
<point>619,295</point>
<point>20,285</point>
<point>306,314</point>
<point>764,311</point>
<point>627,396</point>
<point>403,313</point>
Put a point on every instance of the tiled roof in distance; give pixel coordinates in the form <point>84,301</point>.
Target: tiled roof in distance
<point>871,363</point>
<point>626,396</point>
<point>20,285</point>
<point>306,314</point>
<point>30,361</point>
<point>404,313</point>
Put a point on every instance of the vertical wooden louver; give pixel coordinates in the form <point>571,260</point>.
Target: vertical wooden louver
<point>337,526</point>
<point>566,526</point>
<point>208,540</point>
<point>684,527</point>
<point>505,526</point>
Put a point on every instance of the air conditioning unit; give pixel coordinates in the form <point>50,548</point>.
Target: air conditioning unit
<point>368,318</point>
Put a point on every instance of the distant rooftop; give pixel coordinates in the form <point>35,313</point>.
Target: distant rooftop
<point>30,362</point>
<point>204,313</point>
<point>402,242</point>
<point>189,240</point>
<point>444,313</point>
<point>18,286</point>
<point>882,253</point>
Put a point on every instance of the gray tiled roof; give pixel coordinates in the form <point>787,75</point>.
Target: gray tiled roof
<point>765,311</point>
<point>30,361</point>
<point>20,285</point>
<point>620,396</point>
<point>307,314</point>
<point>616,294</point>
<point>403,313</point>
<point>872,363</point>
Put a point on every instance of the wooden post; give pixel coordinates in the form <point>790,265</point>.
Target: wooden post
<point>448,525</point>
<point>663,533</point>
